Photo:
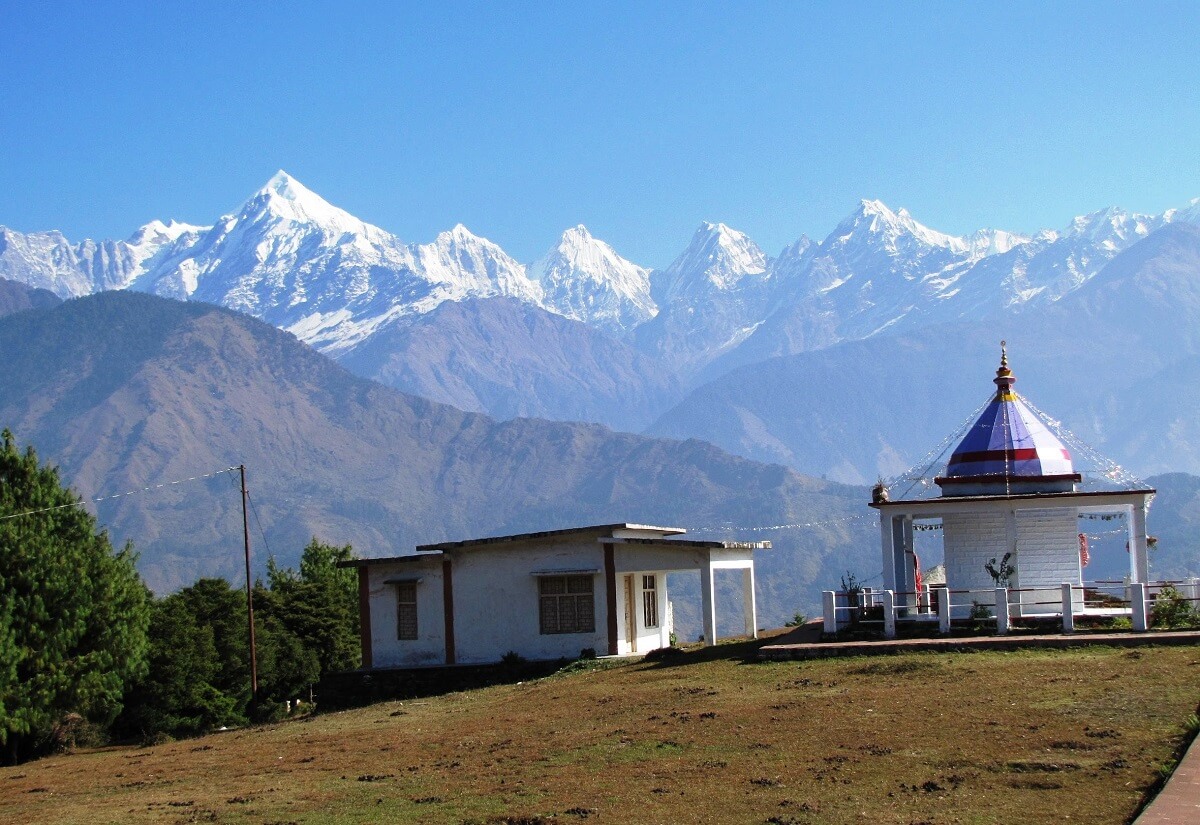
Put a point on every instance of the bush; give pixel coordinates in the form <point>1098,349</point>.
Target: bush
<point>1172,611</point>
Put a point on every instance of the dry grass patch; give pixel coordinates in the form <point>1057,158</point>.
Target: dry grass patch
<point>1030,737</point>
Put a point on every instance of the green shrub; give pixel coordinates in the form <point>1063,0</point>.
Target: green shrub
<point>1172,611</point>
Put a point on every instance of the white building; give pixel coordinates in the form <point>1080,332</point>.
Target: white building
<point>543,596</point>
<point>1009,489</point>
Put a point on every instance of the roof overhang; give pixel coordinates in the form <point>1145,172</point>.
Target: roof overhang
<point>605,530</point>
<point>691,544</point>
<point>410,558</point>
<point>954,504</point>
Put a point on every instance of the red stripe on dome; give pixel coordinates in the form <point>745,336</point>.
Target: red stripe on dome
<point>1023,454</point>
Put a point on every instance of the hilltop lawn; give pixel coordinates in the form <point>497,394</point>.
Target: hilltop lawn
<point>1030,737</point>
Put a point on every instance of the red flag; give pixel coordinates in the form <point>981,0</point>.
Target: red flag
<point>1084,555</point>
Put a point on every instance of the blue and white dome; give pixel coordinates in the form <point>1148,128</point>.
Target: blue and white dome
<point>1009,444</point>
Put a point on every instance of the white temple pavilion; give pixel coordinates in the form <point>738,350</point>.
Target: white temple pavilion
<point>1009,489</point>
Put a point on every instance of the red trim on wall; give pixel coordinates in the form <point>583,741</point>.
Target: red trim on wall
<point>448,608</point>
<point>364,617</point>
<point>610,593</point>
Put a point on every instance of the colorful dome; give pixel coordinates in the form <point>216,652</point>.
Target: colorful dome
<point>1009,441</point>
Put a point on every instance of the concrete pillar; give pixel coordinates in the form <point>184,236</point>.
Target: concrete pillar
<point>1137,603</point>
<point>907,582</point>
<point>708,606</point>
<point>889,614</point>
<point>1001,610</point>
<point>1139,564</point>
<point>829,608</point>
<point>749,607</point>
<point>886,545</point>
<point>1068,608</point>
<point>944,610</point>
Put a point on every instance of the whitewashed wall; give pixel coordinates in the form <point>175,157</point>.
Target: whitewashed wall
<point>496,601</point>
<point>429,648</point>
<point>971,540</point>
<point>1047,556</point>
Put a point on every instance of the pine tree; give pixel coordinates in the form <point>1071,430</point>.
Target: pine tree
<point>320,603</point>
<point>73,613</point>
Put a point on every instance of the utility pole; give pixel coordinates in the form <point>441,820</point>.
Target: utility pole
<point>249,587</point>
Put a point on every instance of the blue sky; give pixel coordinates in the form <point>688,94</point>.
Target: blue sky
<point>639,120</point>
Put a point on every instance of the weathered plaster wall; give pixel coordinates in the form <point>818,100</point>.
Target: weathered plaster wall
<point>496,601</point>
<point>430,646</point>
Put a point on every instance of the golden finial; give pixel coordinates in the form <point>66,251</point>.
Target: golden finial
<point>1004,354</point>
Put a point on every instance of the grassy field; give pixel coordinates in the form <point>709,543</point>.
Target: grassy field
<point>1029,737</point>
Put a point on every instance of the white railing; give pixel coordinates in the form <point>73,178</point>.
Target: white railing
<point>1069,602</point>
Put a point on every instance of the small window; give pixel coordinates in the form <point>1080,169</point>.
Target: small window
<point>566,604</point>
<point>649,601</point>
<point>406,611</point>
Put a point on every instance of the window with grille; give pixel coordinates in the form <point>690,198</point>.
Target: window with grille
<point>406,610</point>
<point>566,604</point>
<point>649,601</point>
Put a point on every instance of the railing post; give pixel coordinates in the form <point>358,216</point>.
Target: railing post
<point>889,614</point>
<point>1001,611</point>
<point>944,610</point>
<point>1068,608</point>
<point>1137,601</point>
<point>829,606</point>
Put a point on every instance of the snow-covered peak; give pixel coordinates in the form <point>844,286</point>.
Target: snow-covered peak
<point>1114,228</point>
<point>158,233</point>
<point>1187,214</point>
<point>283,198</point>
<point>472,265</point>
<point>984,242</point>
<point>577,240</point>
<point>873,223</point>
<point>723,254</point>
<point>584,278</point>
<point>461,239</point>
<point>588,256</point>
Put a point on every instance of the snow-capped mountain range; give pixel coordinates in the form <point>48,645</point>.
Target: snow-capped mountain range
<point>295,261</point>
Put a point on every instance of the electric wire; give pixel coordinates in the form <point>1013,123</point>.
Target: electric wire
<point>146,489</point>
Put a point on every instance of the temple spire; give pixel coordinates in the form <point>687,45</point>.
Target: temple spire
<point>1004,377</point>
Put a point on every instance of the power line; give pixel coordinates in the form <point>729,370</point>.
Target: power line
<point>254,512</point>
<point>118,495</point>
<point>796,526</point>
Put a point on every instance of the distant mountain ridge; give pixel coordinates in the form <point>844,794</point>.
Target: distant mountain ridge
<point>126,391</point>
<point>299,263</point>
<point>358,293</point>
<point>1117,360</point>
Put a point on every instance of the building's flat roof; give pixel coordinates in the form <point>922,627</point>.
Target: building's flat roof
<point>703,544</point>
<point>543,534</point>
<point>408,558</point>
